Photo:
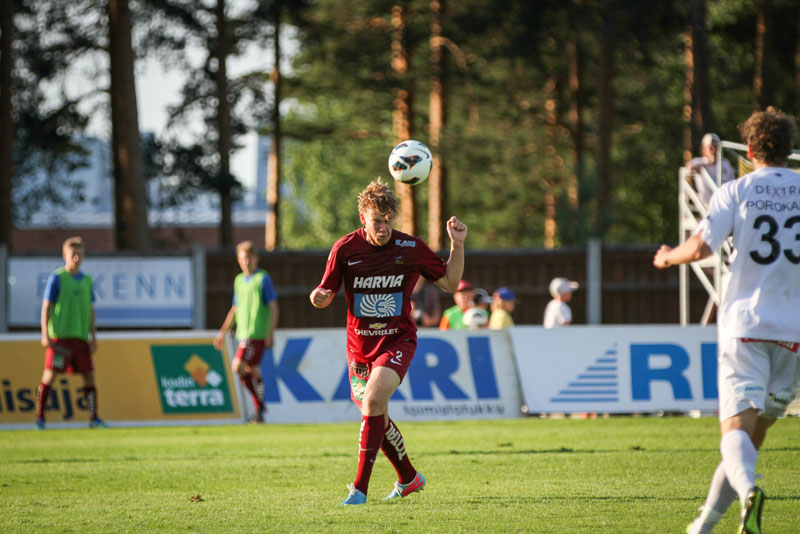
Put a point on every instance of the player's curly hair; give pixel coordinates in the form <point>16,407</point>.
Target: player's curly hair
<point>379,196</point>
<point>771,134</point>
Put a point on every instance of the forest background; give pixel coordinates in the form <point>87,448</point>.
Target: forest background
<point>552,121</point>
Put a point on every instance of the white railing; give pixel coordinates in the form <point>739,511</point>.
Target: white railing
<point>713,270</point>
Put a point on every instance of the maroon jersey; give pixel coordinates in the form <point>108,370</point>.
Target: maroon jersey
<point>377,285</point>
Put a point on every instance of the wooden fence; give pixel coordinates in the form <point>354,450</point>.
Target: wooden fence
<point>633,291</point>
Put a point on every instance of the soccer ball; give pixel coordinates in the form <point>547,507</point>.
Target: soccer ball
<point>475,318</point>
<point>410,162</point>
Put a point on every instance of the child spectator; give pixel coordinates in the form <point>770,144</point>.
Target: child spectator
<point>558,313</point>
<point>503,304</point>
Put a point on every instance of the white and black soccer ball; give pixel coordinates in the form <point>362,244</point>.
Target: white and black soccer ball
<point>410,162</point>
<point>476,318</point>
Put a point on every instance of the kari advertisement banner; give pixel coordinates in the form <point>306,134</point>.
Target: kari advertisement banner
<point>455,375</point>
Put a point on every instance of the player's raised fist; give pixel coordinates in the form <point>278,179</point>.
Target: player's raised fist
<point>456,229</point>
<point>320,297</point>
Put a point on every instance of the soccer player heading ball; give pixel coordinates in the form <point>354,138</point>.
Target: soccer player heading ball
<point>759,330</point>
<point>379,267</point>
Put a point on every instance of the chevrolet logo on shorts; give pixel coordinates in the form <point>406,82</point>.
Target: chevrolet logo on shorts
<point>377,326</point>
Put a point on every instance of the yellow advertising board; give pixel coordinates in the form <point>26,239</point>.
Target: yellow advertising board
<point>140,378</point>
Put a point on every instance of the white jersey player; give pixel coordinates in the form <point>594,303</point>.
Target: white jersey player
<point>759,330</point>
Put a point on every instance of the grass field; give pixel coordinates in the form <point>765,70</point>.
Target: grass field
<point>621,475</point>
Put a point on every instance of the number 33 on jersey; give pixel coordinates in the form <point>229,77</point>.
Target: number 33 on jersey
<point>762,212</point>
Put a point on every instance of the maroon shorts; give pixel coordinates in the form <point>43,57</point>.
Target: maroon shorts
<point>398,358</point>
<point>69,356</point>
<point>250,351</point>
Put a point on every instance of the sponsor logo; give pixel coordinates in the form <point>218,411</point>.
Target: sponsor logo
<point>599,382</point>
<point>379,305</point>
<point>374,333</point>
<point>377,326</point>
<point>353,262</point>
<point>780,401</point>
<point>436,376</point>
<point>62,400</point>
<point>358,386</point>
<point>405,242</point>
<point>377,282</point>
<point>191,379</point>
<point>744,389</point>
<point>779,192</point>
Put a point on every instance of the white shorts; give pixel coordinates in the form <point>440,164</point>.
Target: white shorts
<point>756,374</point>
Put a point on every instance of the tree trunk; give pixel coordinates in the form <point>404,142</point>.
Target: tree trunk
<point>551,166</point>
<point>402,115</point>
<point>688,94</point>
<point>273,160</point>
<point>605,115</point>
<point>760,99</point>
<point>573,229</point>
<point>797,67</point>
<point>576,119</point>
<point>225,140</point>
<point>130,200</point>
<point>702,85</point>
<point>6,122</point>
<point>437,201</point>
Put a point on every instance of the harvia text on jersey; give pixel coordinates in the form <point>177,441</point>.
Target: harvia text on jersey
<point>377,282</point>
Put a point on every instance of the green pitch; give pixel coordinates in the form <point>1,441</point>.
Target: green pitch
<point>621,475</point>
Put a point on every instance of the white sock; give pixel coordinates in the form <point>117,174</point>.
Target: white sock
<point>739,458</point>
<point>720,496</point>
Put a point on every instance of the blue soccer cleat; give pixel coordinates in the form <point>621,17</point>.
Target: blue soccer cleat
<point>40,424</point>
<point>355,497</point>
<point>402,490</point>
<point>97,423</point>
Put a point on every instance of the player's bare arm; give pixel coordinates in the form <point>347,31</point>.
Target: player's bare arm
<point>226,325</point>
<point>693,249</point>
<point>321,298</point>
<point>93,334</point>
<point>45,318</point>
<point>455,264</point>
<point>274,311</point>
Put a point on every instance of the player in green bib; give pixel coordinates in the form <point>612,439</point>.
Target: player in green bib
<point>255,314</point>
<point>69,332</point>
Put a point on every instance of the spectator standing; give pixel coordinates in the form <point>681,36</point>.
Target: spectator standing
<point>503,304</point>
<point>453,317</point>
<point>558,312</point>
<point>477,316</point>
<point>708,161</point>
